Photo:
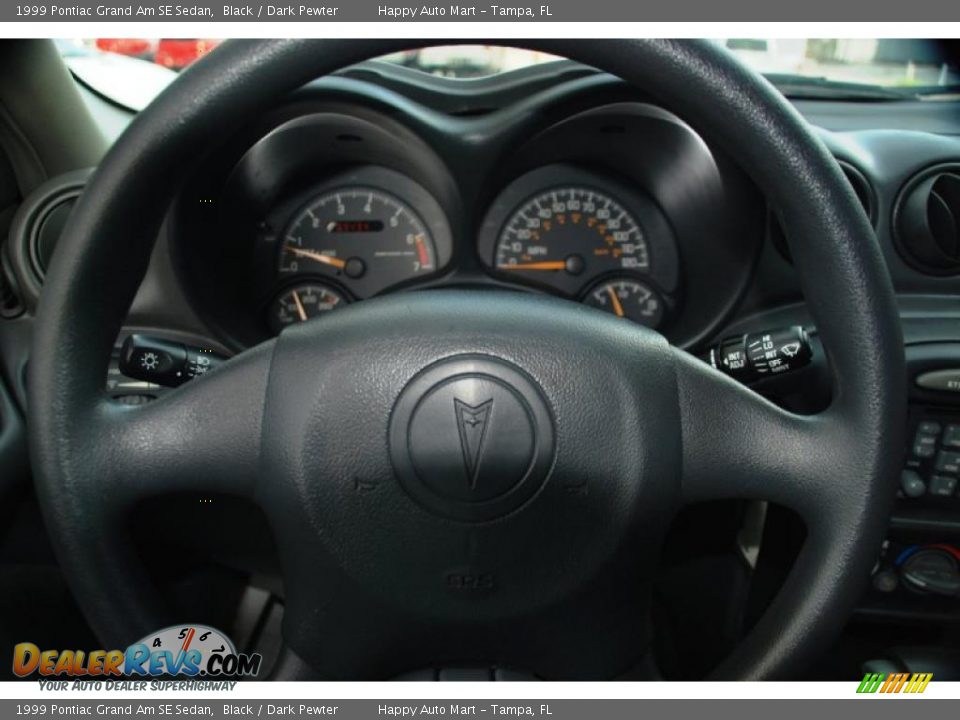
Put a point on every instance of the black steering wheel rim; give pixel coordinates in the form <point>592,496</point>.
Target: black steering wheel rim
<point>75,432</point>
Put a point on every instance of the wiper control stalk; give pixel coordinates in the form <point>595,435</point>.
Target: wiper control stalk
<point>755,356</point>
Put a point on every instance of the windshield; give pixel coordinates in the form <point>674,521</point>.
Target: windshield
<point>132,71</point>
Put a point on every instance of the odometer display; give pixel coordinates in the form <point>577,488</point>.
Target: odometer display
<point>355,226</point>
<point>573,231</point>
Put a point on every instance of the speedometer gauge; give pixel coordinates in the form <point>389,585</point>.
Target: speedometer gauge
<point>585,236</point>
<point>358,232</point>
<point>573,230</point>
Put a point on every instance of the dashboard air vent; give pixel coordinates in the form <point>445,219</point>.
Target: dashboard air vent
<point>37,226</point>
<point>861,188</point>
<point>10,305</point>
<point>927,221</point>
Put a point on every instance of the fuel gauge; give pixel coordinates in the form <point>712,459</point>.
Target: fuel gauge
<point>629,299</point>
<point>303,302</point>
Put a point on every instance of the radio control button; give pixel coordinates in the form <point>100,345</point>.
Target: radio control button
<point>951,436</point>
<point>943,485</point>
<point>912,484</point>
<point>948,462</point>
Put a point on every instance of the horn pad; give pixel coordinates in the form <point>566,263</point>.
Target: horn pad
<point>471,438</point>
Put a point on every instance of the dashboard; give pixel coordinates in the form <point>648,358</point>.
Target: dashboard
<point>555,179</point>
<point>353,191</point>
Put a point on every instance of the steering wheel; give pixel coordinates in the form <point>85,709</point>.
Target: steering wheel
<point>456,476</point>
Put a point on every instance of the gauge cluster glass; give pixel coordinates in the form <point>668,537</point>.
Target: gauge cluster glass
<point>629,299</point>
<point>352,231</point>
<point>303,302</point>
<point>587,237</point>
<point>560,228</point>
<point>578,230</point>
<point>354,236</point>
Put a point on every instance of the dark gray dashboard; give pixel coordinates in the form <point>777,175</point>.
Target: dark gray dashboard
<point>464,143</point>
<point>887,142</point>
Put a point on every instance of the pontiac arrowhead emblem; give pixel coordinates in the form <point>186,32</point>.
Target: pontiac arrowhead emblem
<point>471,438</point>
<point>472,423</point>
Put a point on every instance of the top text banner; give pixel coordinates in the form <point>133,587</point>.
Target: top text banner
<point>322,11</point>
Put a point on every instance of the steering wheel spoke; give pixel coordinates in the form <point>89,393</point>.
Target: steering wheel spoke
<point>737,444</point>
<point>204,436</point>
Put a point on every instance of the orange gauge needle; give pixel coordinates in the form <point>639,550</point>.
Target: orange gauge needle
<point>300,311</point>
<point>545,265</point>
<point>617,307</point>
<point>314,255</point>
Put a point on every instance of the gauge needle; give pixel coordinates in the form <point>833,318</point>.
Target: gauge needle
<point>314,255</point>
<point>617,307</point>
<point>545,265</point>
<point>300,311</point>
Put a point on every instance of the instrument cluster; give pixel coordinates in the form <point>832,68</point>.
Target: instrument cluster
<point>620,207</point>
<point>559,229</point>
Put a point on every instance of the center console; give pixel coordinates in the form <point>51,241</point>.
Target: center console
<point>917,576</point>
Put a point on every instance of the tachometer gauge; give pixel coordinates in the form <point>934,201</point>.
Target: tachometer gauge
<point>357,234</point>
<point>571,230</point>
<point>629,299</point>
<point>302,302</point>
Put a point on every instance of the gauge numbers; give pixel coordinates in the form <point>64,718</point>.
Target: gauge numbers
<point>628,299</point>
<point>303,302</point>
<point>573,230</point>
<point>358,232</point>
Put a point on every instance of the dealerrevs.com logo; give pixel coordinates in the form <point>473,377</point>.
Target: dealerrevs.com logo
<point>185,650</point>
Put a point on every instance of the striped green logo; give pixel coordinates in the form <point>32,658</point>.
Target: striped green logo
<point>894,683</point>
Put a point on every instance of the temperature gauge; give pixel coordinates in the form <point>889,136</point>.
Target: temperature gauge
<point>629,299</point>
<point>302,302</point>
